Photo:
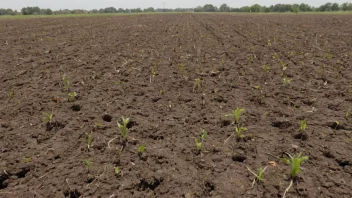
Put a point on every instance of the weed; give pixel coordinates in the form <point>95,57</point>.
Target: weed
<point>303,125</point>
<point>258,176</point>
<point>67,84</point>
<point>237,114</point>
<point>89,140</point>
<point>88,163</point>
<point>141,150</point>
<point>240,131</point>
<point>73,96</point>
<point>123,127</point>
<point>197,84</point>
<point>48,117</point>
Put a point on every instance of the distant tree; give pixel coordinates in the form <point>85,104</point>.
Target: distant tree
<point>94,11</point>
<point>224,8</point>
<point>245,9</point>
<point>110,10</point>
<point>151,9</point>
<point>209,8</point>
<point>335,7</point>
<point>120,10</point>
<point>255,8</point>
<point>199,9</point>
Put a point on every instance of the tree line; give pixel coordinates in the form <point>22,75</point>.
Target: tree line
<point>327,7</point>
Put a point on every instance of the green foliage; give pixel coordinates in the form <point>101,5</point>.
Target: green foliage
<point>26,159</point>
<point>303,125</point>
<point>123,127</point>
<point>89,140</point>
<point>117,170</point>
<point>12,94</point>
<point>197,84</point>
<point>141,150</point>
<point>67,84</point>
<point>97,125</point>
<point>237,114</point>
<point>48,117</point>
<point>266,68</point>
<point>199,144</point>
<point>88,163</point>
<point>240,131</point>
<point>348,114</point>
<point>286,81</point>
<point>259,175</point>
<point>295,163</point>
<point>72,96</point>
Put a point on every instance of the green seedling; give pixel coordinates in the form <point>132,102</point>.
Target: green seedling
<point>295,167</point>
<point>183,71</point>
<point>88,163</point>
<point>348,114</point>
<point>97,125</point>
<point>123,127</point>
<point>286,81</point>
<point>237,114</point>
<point>240,131</point>
<point>117,170</point>
<point>258,176</point>
<point>199,144</point>
<point>153,71</point>
<point>48,117</point>
<point>27,159</point>
<point>251,58</point>
<point>266,68</point>
<point>67,84</point>
<point>72,96</point>
<point>197,84</point>
<point>89,140</point>
<point>12,94</point>
<point>141,150</point>
<point>162,92</point>
<point>337,124</point>
<point>223,61</point>
<point>303,125</point>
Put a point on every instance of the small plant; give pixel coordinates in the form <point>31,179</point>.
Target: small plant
<point>197,84</point>
<point>73,96</point>
<point>286,81</point>
<point>258,176</point>
<point>162,92</point>
<point>348,114</point>
<point>27,159</point>
<point>223,61</point>
<point>240,131</point>
<point>295,167</point>
<point>199,144</point>
<point>141,150</point>
<point>97,125</point>
<point>123,127</point>
<point>251,58</point>
<point>183,71</point>
<point>237,114</point>
<point>303,125</point>
<point>154,71</point>
<point>266,68</point>
<point>337,124</point>
<point>88,163</point>
<point>48,117</point>
<point>89,140</point>
<point>67,84</point>
<point>12,94</point>
<point>117,170</point>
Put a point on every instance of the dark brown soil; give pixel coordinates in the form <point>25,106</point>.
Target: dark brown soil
<point>131,66</point>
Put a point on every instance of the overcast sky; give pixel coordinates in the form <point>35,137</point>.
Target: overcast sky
<point>91,4</point>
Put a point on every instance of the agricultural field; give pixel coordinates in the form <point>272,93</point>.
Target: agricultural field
<point>176,105</point>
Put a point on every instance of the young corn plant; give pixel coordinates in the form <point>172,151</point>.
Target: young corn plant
<point>199,143</point>
<point>88,163</point>
<point>295,167</point>
<point>89,140</point>
<point>258,176</point>
<point>72,96</point>
<point>286,81</point>
<point>141,150</point>
<point>303,125</point>
<point>197,84</point>
<point>266,68</point>
<point>237,114</point>
<point>48,117</point>
<point>239,132</point>
<point>117,170</point>
<point>123,128</point>
<point>67,84</point>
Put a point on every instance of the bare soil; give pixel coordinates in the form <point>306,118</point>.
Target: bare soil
<point>144,67</point>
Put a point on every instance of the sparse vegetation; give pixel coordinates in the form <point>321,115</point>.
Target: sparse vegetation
<point>123,128</point>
